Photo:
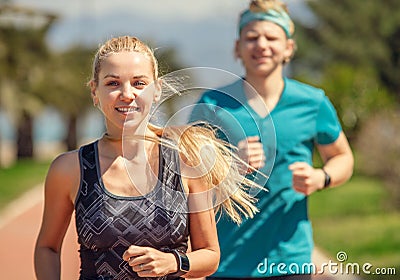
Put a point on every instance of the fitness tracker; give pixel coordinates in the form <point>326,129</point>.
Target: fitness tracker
<point>183,263</point>
<point>327,179</point>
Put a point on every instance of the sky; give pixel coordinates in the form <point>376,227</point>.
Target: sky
<point>202,32</point>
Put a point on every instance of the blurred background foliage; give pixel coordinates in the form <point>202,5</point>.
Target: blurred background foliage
<point>352,50</point>
<point>349,48</point>
<point>32,77</point>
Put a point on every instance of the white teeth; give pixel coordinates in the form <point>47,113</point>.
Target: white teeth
<point>128,109</point>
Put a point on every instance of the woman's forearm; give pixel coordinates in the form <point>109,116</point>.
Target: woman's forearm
<point>47,264</point>
<point>340,169</point>
<point>203,263</point>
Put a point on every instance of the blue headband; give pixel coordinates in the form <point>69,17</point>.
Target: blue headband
<point>280,18</point>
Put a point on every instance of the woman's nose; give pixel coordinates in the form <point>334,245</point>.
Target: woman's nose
<point>262,42</point>
<point>127,93</point>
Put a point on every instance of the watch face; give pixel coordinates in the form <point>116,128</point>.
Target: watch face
<point>184,263</point>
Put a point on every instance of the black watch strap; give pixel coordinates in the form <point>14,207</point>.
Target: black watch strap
<point>182,261</point>
<point>327,179</point>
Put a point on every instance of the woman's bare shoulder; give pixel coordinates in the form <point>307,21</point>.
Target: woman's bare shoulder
<point>66,162</point>
<point>64,173</point>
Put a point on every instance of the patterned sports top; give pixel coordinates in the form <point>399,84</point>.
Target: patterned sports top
<point>108,224</point>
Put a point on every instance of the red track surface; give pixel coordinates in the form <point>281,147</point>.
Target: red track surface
<point>17,242</point>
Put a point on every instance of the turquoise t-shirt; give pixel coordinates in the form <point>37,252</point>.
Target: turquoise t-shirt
<point>278,240</point>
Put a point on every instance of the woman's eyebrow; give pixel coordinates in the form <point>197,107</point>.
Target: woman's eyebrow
<point>117,76</point>
<point>111,76</point>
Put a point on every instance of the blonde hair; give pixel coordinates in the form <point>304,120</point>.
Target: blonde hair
<point>119,44</point>
<point>262,6</point>
<point>223,173</point>
<point>220,167</point>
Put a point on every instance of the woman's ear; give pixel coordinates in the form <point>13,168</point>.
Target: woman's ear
<point>290,50</point>
<point>95,99</point>
<point>158,91</point>
<point>236,50</point>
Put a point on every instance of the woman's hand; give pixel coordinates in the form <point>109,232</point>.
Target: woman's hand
<point>306,179</point>
<point>150,262</point>
<point>251,151</point>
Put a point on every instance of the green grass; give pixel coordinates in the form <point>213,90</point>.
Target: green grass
<point>354,218</point>
<point>20,177</point>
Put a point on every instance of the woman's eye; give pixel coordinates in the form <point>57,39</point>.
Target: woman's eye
<point>252,38</point>
<point>139,84</point>
<point>271,38</point>
<point>112,83</point>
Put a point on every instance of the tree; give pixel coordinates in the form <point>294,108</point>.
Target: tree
<point>23,49</point>
<point>65,87</point>
<point>355,44</point>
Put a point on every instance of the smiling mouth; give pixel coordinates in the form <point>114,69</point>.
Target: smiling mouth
<point>261,57</point>
<point>126,110</point>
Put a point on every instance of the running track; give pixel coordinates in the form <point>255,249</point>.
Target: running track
<point>19,226</point>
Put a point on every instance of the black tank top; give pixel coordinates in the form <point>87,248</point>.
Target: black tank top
<point>108,224</point>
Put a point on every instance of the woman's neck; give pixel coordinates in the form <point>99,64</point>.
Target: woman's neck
<point>266,86</point>
<point>128,144</point>
<point>269,89</point>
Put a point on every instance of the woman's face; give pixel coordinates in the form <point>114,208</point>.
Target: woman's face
<point>126,89</point>
<point>263,47</point>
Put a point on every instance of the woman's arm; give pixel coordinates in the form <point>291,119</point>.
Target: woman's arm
<point>338,163</point>
<point>60,188</point>
<point>338,160</point>
<point>205,254</point>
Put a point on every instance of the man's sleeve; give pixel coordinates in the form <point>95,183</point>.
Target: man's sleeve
<point>328,125</point>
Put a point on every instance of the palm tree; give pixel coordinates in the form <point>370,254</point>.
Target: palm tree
<point>23,49</point>
<point>67,92</point>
